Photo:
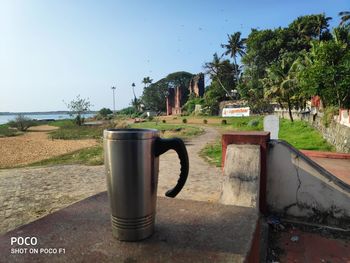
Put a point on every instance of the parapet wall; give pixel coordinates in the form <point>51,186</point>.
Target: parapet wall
<point>297,186</point>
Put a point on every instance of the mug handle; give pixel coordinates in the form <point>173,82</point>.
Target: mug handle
<point>162,146</point>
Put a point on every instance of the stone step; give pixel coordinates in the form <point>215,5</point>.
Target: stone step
<point>186,231</point>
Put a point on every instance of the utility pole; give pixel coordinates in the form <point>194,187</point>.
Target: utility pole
<point>113,89</point>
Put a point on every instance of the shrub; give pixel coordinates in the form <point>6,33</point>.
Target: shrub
<point>104,112</point>
<point>328,115</point>
<point>205,121</point>
<point>223,122</point>
<point>21,122</point>
<point>184,120</point>
<point>164,121</point>
<point>253,123</point>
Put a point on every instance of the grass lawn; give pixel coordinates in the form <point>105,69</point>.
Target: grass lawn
<point>88,156</point>
<point>94,155</point>
<point>299,134</point>
<point>6,132</point>
<point>69,131</point>
<point>183,131</point>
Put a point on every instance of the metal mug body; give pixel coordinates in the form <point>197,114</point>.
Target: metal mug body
<point>132,179</point>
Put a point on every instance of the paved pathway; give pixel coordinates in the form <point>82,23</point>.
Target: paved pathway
<point>29,193</point>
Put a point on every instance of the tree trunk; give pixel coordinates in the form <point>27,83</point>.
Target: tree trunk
<point>290,110</point>
<point>236,70</point>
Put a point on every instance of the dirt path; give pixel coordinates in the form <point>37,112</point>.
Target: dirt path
<point>36,146</point>
<point>29,193</point>
<point>203,180</point>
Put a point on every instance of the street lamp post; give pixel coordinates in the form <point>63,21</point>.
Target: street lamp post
<point>113,89</point>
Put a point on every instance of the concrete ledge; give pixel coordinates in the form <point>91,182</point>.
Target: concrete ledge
<point>186,231</point>
<point>330,155</point>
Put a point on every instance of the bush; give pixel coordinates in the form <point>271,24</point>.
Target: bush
<point>164,121</point>
<point>223,122</point>
<point>205,121</point>
<point>253,123</point>
<point>104,112</point>
<point>184,120</point>
<point>21,122</point>
<point>328,115</point>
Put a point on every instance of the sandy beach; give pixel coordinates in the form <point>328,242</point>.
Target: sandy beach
<point>35,146</point>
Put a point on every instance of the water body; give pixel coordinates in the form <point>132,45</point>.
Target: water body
<point>6,118</point>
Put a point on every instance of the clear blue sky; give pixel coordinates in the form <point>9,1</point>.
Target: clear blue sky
<point>51,51</point>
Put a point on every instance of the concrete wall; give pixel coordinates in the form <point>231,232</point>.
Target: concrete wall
<point>241,176</point>
<point>336,134</point>
<point>296,186</point>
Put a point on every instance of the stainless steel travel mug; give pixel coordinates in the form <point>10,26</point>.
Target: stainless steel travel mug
<point>132,165</point>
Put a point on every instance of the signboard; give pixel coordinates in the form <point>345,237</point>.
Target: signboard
<point>235,112</point>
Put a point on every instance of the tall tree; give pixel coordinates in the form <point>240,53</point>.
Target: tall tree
<point>282,83</point>
<point>235,47</point>
<point>147,81</point>
<point>154,96</point>
<point>328,73</point>
<point>222,72</point>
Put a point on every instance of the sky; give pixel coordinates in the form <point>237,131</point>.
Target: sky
<point>53,50</point>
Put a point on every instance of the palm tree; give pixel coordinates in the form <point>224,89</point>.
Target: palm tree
<point>147,81</point>
<point>281,82</point>
<point>235,47</point>
<point>215,70</point>
<point>322,24</point>
<point>345,18</point>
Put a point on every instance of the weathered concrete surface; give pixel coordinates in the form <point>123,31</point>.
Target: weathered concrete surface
<point>241,175</point>
<point>186,231</point>
<point>297,186</point>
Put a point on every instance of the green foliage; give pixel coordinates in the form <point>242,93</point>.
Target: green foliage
<point>21,123</point>
<point>191,103</point>
<point>129,112</point>
<point>253,123</point>
<point>329,114</point>
<point>154,96</point>
<point>328,73</point>
<point>302,136</point>
<point>105,111</point>
<point>78,107</point>
<point>298,133</point>
<point>87,156</point>
<point>184,120</point>
<point>270,73</point>
<point>69,131</point>
<point>5,131</point>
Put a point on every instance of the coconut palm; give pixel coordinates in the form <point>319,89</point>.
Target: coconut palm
<point>218,71</point>
<point>147,81</point>
<point>345,18</point>
<point>322,24</point>
<point>235,47</point>
<point>281,82</point>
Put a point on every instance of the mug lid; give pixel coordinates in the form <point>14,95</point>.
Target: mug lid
<point>130,134</point>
